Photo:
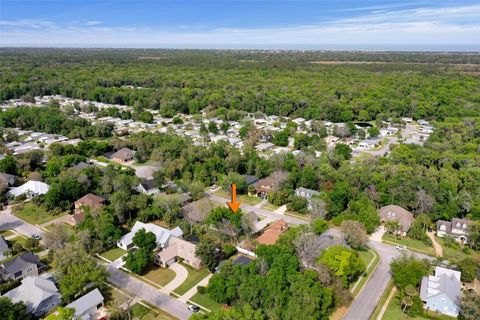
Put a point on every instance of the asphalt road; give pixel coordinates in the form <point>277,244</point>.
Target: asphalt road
<point>259,211</point>
<point>8,221</point>
<point>146,292</point>
<point>365,303</point>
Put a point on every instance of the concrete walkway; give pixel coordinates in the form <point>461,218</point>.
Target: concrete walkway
<point>261,204</point>
<point>118,263</point>
<point>387,302</point>
<point>281,210</point>
<point>378,234</point>
<point>438,248</point>
<point>190,293</point>
<point>181,274</point>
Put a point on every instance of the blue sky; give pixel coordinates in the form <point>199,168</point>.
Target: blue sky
<point>344,24</point>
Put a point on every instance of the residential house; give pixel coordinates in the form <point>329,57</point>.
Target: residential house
<point>329,239</point>
<point>441,292</point>
<point>263,187</point>
<point>3,248</point>
<point>123,155</point>
<point>178,248</point>
<point>272,234</point>
<point>39,295</point>
<point>21,267</point>
<point>242,261</point>
<point>197,211</point>
<point>30,189</point>
<point>249,179</point>
<point>162,235</point>
<point>89,200</point>
<point>306,193</point>
<point>396,213</point>
<point>148,186</point>
<point>87,306</point>
<point>262,147</point>
<point>457,228</point>
<point>8,179</point>
<point>369,143</point>
<point>81,165</point>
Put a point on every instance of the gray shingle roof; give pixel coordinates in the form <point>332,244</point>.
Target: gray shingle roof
<point>82,304</point>
<point>21,262</point>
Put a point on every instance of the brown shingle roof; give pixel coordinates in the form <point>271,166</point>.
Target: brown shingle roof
<point>91,201</point>
<point>124,154</point>
<point>396,213</point>
<point>271,235</point>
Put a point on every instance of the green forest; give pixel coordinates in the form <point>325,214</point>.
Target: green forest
<point>307,84</point>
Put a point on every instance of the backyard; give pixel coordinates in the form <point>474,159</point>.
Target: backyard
<point>194,277</point>
<point>34,214</point>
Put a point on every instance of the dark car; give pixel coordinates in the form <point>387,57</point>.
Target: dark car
<point>193,308</point>
<point>36,236</point>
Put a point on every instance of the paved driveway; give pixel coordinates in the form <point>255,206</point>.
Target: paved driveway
<point>146,292</point>
<point>8,221</point>
<point>181,274</point>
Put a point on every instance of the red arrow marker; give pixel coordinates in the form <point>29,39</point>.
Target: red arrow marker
<point>234,205</point>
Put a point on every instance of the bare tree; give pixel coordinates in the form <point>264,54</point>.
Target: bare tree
<point>372,193</point>
<point>318,208</point>
<point>279,177</point>
<point>262,266</point>
<point>424,202</point>
<point>355,233</point>
<point>248,221</point>
<point>58,237</point>
<point>307,247</point>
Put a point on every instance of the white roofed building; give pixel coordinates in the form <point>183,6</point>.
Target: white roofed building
<point>162,235</point>
<point>30,189</point>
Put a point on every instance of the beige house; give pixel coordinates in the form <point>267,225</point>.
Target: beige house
<point>396,213</point>
<point>177,248</point>
<point>123,155</point>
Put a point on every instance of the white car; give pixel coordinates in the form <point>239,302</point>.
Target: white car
<point>401,248</point>
<point>193,308</point>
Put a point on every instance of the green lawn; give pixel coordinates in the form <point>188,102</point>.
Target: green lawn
<point>117,297</point>
<point>371,260</point>
<point>34,214</point>
<point>7,233</point>
<point>456,251</point>
<point>160,275</point>
<point>243,198</point>
<point>140,312</point>
<point>270,207</point>
<point>412,244</point>
<point>204,300</point>
<point>305,217</point>
<point>113,254</point>
<point>193,278</point>
<point>394,312</point>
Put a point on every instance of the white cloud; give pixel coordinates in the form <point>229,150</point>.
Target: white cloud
<point>423,26</point>
<point>92,23</point>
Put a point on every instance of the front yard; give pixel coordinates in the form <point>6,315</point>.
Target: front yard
<point>193,278</point>
<point>7,233</point>
<point>160,275</point>
<point>33,214</point>
<point>412,244</point>
<point>113,254</point>
<point>141,312</point>
<point>243,198</point>
<point>205,301</point>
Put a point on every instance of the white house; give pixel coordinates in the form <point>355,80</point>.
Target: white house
<point>88,305</point>
<point>39,295</point>
<point>31,188</point>
<point>442,292</point>
<point>457,228</point>
<point>162,235</point>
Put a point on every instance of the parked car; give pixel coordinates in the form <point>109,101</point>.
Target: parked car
<point>193,308</point>
<point>401,248</point>
<point>36,236</point>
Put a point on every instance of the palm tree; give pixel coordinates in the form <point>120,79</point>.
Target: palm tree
<point>407,302</point>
